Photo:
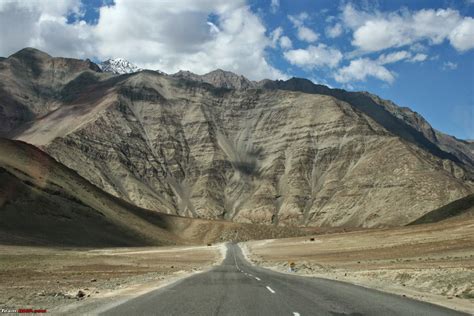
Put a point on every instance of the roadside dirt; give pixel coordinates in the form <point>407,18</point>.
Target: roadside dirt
<point>433,262</point>
<point>53,279</point>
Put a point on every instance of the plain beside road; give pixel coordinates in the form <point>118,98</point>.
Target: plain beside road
<point>432,262</point>
<point>237,288</point>
<point>52,278</point>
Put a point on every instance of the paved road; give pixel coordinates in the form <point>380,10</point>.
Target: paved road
<point>237,288</point>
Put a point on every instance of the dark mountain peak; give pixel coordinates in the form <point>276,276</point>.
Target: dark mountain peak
<point>296,84</point>
<point>30,52</point>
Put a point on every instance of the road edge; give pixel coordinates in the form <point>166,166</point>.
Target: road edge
<point>120,296</point>
<point>409,293</point>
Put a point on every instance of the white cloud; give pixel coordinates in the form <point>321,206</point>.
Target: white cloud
<point>169,38</point>
<point>306,34</point>
<point>462,37</point>
<point>43,24</point>
<point>449,65</point>
<point>298,20</point>
<point>278,39</point>
<point>418,58</point>
<point>285,42</point>
<point>393,57</point>
<point>274,5</point>
<point>303,33</point>
<point>334,31</point>
<point>399,56</point>
<point>314,56</point>
<point>275,35</point>
<point>361,68</point>
<point>375,31</point>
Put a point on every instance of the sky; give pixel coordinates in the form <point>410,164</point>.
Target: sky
<point>417,53</point>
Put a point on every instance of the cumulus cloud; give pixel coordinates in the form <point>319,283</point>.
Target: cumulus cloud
<point>306,34</point>
<point>314,57</point>
<point>303,33</point>
<point>285,42</point>
<point>361,68</point>
<point>43,24</point>
<point>169,38</point>
<point>375,31</point>
<point>176,36</point>
<point>462,37</point>
<point>334,30</point>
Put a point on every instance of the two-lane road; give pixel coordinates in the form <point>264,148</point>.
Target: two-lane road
<point>237,288</point>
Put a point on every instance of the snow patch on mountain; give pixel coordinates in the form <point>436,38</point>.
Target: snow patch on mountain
<point>118,66</point>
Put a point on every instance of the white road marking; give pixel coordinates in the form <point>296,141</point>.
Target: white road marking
<point>296,314</point>
<point>235,260</point>
<point>257,278</point>
<point>270,289</point>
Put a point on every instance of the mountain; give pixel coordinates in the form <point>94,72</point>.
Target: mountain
<point>118,66</point>
<point>43,202</point>
<point>461,209</point>
<point>32,85</point>
<point>219,146</point>
<point>219,78</point>
<point>401,121</point>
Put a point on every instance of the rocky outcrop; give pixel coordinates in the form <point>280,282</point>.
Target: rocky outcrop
<point>274,152</point>
<point>219,78</point>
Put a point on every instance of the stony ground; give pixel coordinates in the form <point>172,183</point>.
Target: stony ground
<point>47,278</point>
<point>432,262</point>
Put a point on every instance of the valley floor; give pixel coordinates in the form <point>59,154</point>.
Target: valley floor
<point>59,280</point>
<point>433,262</point>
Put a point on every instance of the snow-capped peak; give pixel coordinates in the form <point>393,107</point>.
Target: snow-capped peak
<point>118,66</point>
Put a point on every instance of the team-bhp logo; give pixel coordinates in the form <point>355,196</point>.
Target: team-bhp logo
<point>23,311</point>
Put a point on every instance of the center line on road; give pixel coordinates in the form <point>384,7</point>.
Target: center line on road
<point>270,289</point>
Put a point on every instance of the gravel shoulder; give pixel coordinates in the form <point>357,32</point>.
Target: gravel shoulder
<point>433,263</point>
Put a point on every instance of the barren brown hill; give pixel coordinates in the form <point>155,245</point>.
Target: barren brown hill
<point>221,147</point>
<point>43,202</point>
<point>462,208</point>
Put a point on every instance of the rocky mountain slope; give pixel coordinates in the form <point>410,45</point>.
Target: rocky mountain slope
<point>118,66</point>
<point>462,209</point>
<point>43,202</point>
<point>221,146</point>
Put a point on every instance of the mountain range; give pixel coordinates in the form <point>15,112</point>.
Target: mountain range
<point>220,146</point>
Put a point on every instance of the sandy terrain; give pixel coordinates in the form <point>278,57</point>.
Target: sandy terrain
<point>48,278</point>
<point>433,262</point>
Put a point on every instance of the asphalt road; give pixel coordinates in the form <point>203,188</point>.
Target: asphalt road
<point>237,288</point>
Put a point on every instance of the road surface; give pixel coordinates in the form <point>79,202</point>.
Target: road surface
<point>237,288</point>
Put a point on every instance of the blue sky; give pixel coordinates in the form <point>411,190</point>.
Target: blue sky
<point>418,54</point>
